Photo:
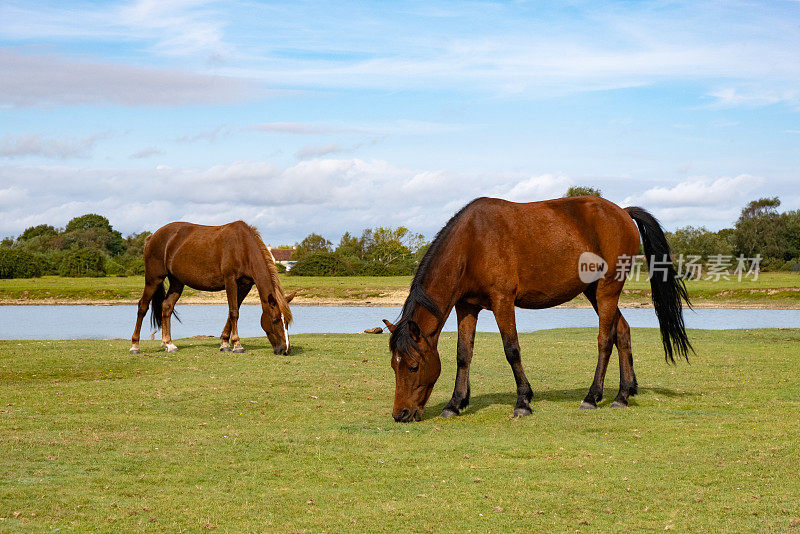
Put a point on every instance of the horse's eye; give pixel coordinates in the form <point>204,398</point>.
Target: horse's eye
<point>413,367</point>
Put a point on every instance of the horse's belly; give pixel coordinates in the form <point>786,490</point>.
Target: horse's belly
<point>546,298</point>
<point>204,280</point>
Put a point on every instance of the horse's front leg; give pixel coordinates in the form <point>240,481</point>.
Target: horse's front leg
<point>467,315</point>
<point>242,291</point>
<point>507,323</point>
<point>233,313</point>
<point>147,295</point>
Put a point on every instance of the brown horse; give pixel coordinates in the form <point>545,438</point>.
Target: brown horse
<point>496,255</point>
<point>211,258</point>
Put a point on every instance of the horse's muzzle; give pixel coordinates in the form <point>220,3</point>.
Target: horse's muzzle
<point>406,416</point>
<point>282,351</point>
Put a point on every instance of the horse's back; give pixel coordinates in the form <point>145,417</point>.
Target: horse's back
<point>534,249</point>
<point>198,255</point>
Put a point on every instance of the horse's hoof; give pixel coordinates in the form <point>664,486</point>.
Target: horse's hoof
<point>224,349</point>
<point>588,406</point>
<point>449,412</point>
<point>522,412</point>
<point>172,348</point>
<point>618,404</point>
<point>134,351</point>
<point>238,350</point>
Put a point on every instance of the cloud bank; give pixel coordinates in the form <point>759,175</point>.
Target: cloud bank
<point>328,196</point>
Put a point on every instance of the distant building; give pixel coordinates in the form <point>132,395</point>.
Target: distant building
<point>284,256</point>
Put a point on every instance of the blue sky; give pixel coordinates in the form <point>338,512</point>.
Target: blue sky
<point>327,117</point>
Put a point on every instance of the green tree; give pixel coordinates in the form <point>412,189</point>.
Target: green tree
<point>90,220</point>
<point>83,262</point>
<point>36,231</point>
<point>134,244</point>
<point>110,242</point>
<point>791,234</point>
<point>391,250</point>
<point>700,241</point>
<point>760,207</point>
<point>311,244</point>
<point>583,191</point>
<point>759,229</point>
<point>16,263</point>
<point>93,231</point>
<point>350,246</point>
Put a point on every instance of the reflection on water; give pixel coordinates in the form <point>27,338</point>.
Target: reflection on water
<point>108,322</point>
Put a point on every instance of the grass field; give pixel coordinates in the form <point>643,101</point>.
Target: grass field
<point>92,438</point>
<point>771,290</point>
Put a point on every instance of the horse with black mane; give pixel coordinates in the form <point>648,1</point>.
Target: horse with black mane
<point>495,255</point>
<point>232,257</point>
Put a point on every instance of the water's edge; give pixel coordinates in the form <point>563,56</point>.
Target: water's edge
<point>111,322</point>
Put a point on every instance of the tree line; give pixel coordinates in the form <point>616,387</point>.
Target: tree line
<point>89,246</point>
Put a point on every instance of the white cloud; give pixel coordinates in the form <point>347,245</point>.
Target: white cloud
<point>732,97</point>
<point>12,196</point>
<point>699,192</point>
<point>179,28</point>
<point>538,188</point>
<point>38,145</point>
<point>49,79</point>
<point>207,135</point>
<point>297,128</point>
<point>327,196</point>
<point>146,152</point>
<point>315,151</point>
<point>321,195</point>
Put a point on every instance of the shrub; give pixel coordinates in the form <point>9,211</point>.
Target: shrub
<point>16,263</point>
<point>319,264</point>
<point>83,262</point>
<point>131,265</point>
<point>50,262</point>
<point>114,269</point>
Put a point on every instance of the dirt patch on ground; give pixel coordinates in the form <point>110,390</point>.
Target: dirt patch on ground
<point>396,298</point>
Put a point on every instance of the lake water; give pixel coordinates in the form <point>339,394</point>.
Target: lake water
<point>109,322</point>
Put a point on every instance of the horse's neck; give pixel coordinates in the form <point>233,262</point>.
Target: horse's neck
<point>263,282</point>
<point>442,284</point>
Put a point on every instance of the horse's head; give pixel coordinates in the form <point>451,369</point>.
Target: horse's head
<point>275,322</point>
<point>416,365</point>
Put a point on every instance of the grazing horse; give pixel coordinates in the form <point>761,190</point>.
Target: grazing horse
<point>495,255</point>
<point>211,258</point>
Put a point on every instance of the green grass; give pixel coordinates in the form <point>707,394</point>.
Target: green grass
<point>129,288</point>
<point>770,290</point>
<point>95,439</point>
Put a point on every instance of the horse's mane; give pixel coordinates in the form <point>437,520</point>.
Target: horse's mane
<point>269,259</point>
<point>401,340</point>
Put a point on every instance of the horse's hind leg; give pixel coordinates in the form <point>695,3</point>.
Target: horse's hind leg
<point>506,322</point>
<point>627,378</point>
<point>604,300</point>
<point>173,294</point>
<point>467,320</point>
<point>242,291</point>
<point>150,288</point>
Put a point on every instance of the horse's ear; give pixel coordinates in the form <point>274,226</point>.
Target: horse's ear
<point>413,329</point>
<point>291,296</point>
<point>271,300</point>
<point>389,325</point>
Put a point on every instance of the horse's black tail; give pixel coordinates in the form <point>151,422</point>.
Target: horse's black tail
<point>155,306</point>
<point>667,286</point>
